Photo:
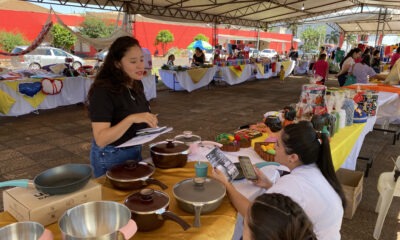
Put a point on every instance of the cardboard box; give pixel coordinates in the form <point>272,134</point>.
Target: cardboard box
<point>352,183</point>
<point>29,204</point>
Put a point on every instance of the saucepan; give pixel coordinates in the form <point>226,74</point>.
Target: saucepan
<point>99,220</point>
<point>25,230</point>
<point>132,175</point>
<point>199,196</point>
<point>62,179</point>
<point>194,141</point>
<point>169,154</point>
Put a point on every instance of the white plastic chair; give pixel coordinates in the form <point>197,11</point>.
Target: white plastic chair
<point>387,189</point>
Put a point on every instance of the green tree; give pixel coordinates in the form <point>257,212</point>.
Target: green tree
<point>333,37</point>
<point>201,36</point>
<point>310,37</point>
<point>62,37</point>
<point>351,40</point>
<point>163,37</point>
<point>95,28</point>
<point>10,40</point>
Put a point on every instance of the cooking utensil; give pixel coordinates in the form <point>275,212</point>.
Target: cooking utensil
<point>25,230</point>
<point>199,195</point>
<point>97,220</point>
<point>169,154</point>
<point>194,141</point>
<point>62,179</point>
<point>132,175</point>
<point>149,209</point>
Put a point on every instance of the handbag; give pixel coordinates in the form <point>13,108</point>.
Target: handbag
<point>350,80</point>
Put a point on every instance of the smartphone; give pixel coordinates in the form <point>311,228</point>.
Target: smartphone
<point>247,168</point>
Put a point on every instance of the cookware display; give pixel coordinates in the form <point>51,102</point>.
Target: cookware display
<point>169,154</point>
<point>25,230</point>
<point>194,141</point>
<point>149,209</point>
<point>199,195</point>
<point>105,220</point>
<point>62,179</point>
<point>132,175</point>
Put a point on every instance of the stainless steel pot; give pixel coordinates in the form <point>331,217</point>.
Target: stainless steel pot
<point>102,220</point>
<point>25,230</point>
<point>132,175</point>
<point>199,195</point>
<point>169,154</point>
<point>194,141</point>
<point>149,210</point>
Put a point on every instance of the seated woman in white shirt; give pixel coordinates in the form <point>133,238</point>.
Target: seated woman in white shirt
<point>312,182</point>
<point>362,70</point>
<point>171,59</point>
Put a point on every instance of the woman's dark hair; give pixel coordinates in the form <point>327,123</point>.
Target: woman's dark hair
<point>312,147</point>
<point>274,123</point>
<point>398,50</point>
<point>171,56</point>
<point>290,113</point>
<point>322,56</point>
<point>350,54</point>
<point>198,49</point>
<point>376,52</point>
<point>274,216</point>
<point>366,59</point>
<point>110,75</point>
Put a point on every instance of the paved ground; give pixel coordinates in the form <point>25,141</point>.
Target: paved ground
<point>31,143</point>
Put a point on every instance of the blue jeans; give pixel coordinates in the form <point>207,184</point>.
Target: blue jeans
<point>104,158</point>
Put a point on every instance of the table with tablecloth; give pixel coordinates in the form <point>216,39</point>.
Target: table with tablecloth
<point>188,80</point>
<point>236,74</point>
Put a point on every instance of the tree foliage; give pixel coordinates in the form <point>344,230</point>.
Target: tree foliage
<point>95,28</point>
<point>313,37</point>
<point>351,40</point>
<point>8,40</point>
<point>163,37</point>
<point>333,37</point>
<point>201,37</point>
<point>62,38</point>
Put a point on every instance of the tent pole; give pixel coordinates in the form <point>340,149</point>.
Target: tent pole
<point>258,38</point>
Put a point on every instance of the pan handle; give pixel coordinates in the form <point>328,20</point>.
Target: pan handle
<point>197,212</point>
<point>172,216</point>
<point>129,229</point>
<point>15,183</point>
<point>156,182</point>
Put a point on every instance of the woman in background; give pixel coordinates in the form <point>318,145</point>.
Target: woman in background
<point>376,61</point>
<point>171,59</point>
<point>321,68</point>
<point>198,58</point>
<point>347,64</point>
<point>362,71</point>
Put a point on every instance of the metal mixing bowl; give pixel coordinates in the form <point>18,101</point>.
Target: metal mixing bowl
<point>94,221</point>
<point>22,230</point>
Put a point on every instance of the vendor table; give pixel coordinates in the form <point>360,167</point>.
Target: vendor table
<point>236,74</point>
<point>188,80</point>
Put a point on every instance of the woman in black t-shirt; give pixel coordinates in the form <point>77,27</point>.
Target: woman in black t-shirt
<point>198,58</point>
<point>118,107</point>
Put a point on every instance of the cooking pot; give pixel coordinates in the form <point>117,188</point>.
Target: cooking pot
<point>199,195</point>
<point>169,154</point>
<point>194,141</point>
<point>25,230</point>
<point>132,175</point>
<point>101,220</point>
<point>149,209</point>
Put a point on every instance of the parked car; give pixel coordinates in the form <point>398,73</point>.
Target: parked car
<point>101,56</point>
<point>269,53</point>
<point>209,55</point>
<point>45,55</point>
<point>254,52</point>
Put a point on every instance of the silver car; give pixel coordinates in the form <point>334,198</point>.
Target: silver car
<point>44,55</point>
<point>269,53</point>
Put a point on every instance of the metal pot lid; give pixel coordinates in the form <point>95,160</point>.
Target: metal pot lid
<point>199,190</point>
<point>147,201</point>
<point>169,147</point>
<point>130,170</point>
<point>188,138</point>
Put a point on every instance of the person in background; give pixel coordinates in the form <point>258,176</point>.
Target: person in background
<point>117,106</point>
<point>322,50</point>
<point>198,57</point>
<point>347,64</point>
<point>282,73</point>
<point>276,216</point>
<point>321,68</point>
<point>190,55</point>
<point>394,57</point>
<point>362,71</point>
<point>312,182</point>
<point>288,115</point>
<point>171,59</point>
<point>339,54</point>
<point>376,61</point>
<point>274,125</point>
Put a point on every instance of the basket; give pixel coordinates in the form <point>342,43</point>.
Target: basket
<point>245,143</point>
<point>231,147</point>
<point>264,155</point>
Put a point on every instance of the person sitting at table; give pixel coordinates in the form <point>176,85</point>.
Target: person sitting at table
<point>346,65</point>
<point>362,71</point>
<point>312,182</point>
<point>198,57</point>
<point>117,106</point>
<point>376,61</point>
<point>276,216</point>
<point>171,59</point>
<point>274,125</point>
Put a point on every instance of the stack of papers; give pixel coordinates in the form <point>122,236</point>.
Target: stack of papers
<point>146,135</point>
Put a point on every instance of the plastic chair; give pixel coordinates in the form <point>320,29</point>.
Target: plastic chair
<point>387,189</point>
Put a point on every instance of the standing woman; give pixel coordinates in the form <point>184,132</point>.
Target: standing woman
<point>321,68</point>
<point>117,106</point>
<point>199,58</point>
<point>346,65</point>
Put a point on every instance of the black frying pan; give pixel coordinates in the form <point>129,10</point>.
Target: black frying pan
<point>58,180</point>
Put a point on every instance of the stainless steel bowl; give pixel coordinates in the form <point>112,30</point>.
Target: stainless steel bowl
<point>23,230</point>
<point>95,221</point>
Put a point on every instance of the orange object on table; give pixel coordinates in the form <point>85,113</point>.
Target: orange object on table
<point>378,87</point>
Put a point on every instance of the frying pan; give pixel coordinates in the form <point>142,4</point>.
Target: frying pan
<point>62,179</point>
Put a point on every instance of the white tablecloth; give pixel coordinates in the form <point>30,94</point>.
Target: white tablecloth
<point>389,108</point>
<point>287,71</point>
<point>232,79</point>
<point>180,80</point>
<point>150,88</point>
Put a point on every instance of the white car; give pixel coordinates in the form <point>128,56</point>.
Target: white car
<point>269,53</point>
<point>44,55</point>
<point>209,55</point>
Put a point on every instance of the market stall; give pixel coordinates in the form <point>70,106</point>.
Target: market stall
<point>236,74</point>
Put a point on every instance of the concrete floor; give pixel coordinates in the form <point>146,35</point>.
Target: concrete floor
<point>32,143</point>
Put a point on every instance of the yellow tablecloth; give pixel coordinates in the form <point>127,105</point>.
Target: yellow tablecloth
<point>216,225</point>
<point>197,74</point>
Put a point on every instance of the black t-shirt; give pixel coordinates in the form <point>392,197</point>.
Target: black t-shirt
<point>199,60</point>
<point>106,106</point>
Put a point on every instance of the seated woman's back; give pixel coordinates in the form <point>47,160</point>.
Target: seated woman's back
<point>362,71</point>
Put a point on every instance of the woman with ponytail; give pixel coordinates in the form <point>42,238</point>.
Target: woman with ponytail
<point>312,182</point>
